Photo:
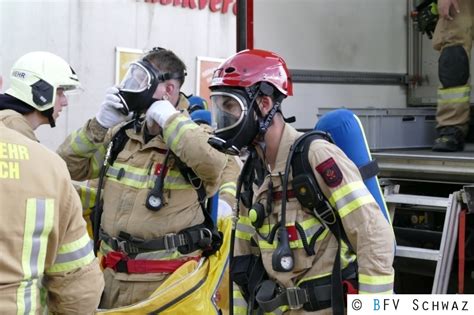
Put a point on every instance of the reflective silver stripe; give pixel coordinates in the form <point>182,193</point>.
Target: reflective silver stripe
<point>240,302</point>
<point>453,95</point>
<point>81,144</point>
<point>353,195</point>
<point>176,180</point>
<point>77,254</point>
<point>113,172</point>
<point>175,132</point>
<point>375,288</point>
<point>309,232</point>
<point>36,241</point>
<point>241,227</point>
<point>39,218</point>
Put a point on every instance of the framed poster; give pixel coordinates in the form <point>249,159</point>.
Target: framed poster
<point>123,58</point>
<point>205,67</point>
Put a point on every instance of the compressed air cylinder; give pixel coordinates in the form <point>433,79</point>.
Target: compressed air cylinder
<point>348,134</point>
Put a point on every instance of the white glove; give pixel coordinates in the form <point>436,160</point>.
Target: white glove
<point>159,112</point>
<point>223,208</point>
<point>109,114</point>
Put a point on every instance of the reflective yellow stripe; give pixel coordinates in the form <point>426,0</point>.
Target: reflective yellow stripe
<point>244,228</point>
<point>240,305</point>
<point>87,197</point>
<point>74,255</point>
<point>355,204</point>
<point>310,227</point>
<point>454,90</point>
<point>454,95</point>
<point>344,190</point>
<point>229,187</point>
<point>453,100</point>
<point>350,197</point>
<point>39,220</point>
<point>376,279</point>
<point>293,244</point>
<point>83,147</point>
<point>139,178</point>
<point>173,131</point>
<point>175,180</point>
<point>375,284</point>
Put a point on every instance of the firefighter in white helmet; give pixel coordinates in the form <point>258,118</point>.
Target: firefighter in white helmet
<point>43,238</point>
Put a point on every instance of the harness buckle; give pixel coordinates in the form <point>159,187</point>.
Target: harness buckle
<point>118,244</point>
<point>170,243</point>
<point>296,297</point>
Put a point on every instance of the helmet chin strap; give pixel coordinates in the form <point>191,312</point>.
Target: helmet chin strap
<point>49,114</point>
<point>265,122</point>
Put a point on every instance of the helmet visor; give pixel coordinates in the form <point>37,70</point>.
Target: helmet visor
<point>137,79</point>
<point>70,89</point>
<point>227,110</point>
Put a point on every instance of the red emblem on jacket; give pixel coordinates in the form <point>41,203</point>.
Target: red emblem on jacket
<point>330,172</point>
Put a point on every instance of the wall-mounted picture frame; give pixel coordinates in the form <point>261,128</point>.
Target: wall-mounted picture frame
<point>123,57</point>
<point>205,67</point>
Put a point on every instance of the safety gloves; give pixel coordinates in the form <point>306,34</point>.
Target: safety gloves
<point>159,112</point>
<point>109,113</point>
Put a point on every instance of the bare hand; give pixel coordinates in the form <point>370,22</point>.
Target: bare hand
<point>444,8</point>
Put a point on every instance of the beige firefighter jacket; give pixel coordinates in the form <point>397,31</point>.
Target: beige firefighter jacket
<point>230,176</point>
<point>43,240</point>
<point>369,233</point>
<point>129,180</point>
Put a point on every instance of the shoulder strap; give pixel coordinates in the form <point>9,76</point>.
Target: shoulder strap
<point>115,146</point>
<point>198,185</point>
<point>310,196</point>
<point>118,141</point>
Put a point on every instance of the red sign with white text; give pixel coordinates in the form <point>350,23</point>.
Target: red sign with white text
<point>214,6</point>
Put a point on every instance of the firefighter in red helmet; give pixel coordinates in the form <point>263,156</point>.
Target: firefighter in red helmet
<point>282,248</point>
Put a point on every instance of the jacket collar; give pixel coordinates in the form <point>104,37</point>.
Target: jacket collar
<point>288,137</point>
<point>18,122</point>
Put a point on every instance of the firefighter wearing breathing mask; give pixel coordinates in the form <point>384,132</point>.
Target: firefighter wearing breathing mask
<point>284,253</point>
<point>154,167</point>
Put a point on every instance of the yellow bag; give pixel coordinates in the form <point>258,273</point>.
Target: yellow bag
<point>192,288</point>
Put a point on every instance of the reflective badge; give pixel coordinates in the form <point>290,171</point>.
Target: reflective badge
<point>330,172</point>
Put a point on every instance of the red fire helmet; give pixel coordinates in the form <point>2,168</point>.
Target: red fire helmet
<point>249,67</point>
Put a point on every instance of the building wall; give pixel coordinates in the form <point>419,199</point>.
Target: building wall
<point>336,35</point>
<point>86,34</point>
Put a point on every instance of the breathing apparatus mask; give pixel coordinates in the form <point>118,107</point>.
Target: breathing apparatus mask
<point>236,124</point>
<point>139,84</point>
<point>234,121</point>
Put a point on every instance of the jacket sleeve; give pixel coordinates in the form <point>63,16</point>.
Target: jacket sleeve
<point>84,150</point>
<point>74,281</point>
<point>230,176</point>
<point>368,231</point>
<point>189,142</point>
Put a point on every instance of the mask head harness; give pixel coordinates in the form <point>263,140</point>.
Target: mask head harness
<point>237,118</point>
<point>235,87</point>
<point>140,82</point>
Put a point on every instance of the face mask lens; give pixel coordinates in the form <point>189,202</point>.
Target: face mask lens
<point>227,110</point>
<point>137,79</point>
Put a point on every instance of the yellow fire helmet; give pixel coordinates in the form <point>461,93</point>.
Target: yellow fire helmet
<point>36,77</point>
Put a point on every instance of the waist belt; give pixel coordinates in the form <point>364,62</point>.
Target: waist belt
<point>186,241</point>
<point>312,295</point>
<point>120,262</point>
